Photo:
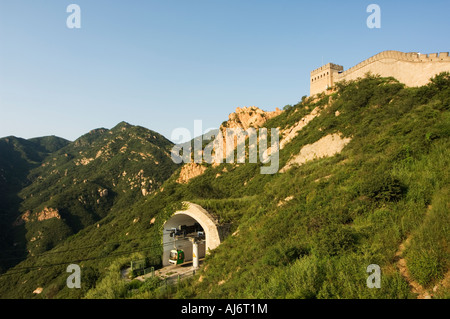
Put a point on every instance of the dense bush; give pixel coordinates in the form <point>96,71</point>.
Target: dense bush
<point>284,255</point>
<point>382,186</point>
<point>334,240</point>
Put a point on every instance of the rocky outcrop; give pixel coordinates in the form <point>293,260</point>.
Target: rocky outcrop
<point>28,216</point>
<point>48,213</point>
<point>38,290</point>
<point>84,161</point>
<point>284,201</point>
<point>327,146</point>
<point>243,118</point>
<point>24,218</point>
<point>103,192</point>
<point>247,117</point>
<point>189,171</point>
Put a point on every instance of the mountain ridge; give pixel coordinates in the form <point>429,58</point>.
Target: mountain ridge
<point>50,181</point>
<point>309,232</point>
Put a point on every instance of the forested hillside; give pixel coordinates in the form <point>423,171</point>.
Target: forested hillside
<point>309,231</point>
<point>56,188</point>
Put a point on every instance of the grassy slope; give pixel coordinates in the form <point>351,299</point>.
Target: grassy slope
<point>347,211</point>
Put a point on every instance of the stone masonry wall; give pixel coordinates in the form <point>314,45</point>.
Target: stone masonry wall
<point>412,69</point>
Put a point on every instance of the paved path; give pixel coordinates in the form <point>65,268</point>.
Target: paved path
<point>170,272</point>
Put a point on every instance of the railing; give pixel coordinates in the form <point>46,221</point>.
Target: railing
<point>144,271</point>
<point>176,279</point>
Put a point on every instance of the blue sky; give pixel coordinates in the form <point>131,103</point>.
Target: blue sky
<point>163,64</point>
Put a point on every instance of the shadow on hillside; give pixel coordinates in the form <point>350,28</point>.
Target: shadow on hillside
<point>13,244</point>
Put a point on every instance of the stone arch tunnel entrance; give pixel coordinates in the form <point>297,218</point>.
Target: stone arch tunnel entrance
<point>189,217</point>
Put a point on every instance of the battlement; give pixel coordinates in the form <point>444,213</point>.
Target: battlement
<point>412,69</point>
<point>329,66</point>
<point>324,77</point>
<point>399,56</point>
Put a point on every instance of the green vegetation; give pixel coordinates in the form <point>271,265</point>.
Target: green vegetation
<point>345,212</point>
<point>101,171</point>
<point>429,253</point>
<point>17,158</point>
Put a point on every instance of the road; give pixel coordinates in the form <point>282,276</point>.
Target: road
<point>170,273</point>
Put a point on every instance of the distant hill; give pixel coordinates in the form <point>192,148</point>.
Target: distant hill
<point>19,155</point>
<point>77,182</point>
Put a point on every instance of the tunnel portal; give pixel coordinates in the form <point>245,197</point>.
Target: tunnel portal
<point>194,218</point>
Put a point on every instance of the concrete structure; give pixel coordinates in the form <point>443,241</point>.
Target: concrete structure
<point>214,233</point>
<point>195,255</point>
<point>412,69</point>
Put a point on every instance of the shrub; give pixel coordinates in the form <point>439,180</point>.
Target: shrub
<point>284,255</point>
<point>334,239</point>
<point>305,278</point>
<point>381,186</point>
<point>150,284</point>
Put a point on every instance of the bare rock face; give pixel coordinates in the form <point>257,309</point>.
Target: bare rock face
<point>325,147</point>
<point>48,213</point>
<point>103,192</point>
<point>243,118</point>
<point>247,117</point>
<point>38,290</point>
<point>28,216</point>
<point>189,171</point>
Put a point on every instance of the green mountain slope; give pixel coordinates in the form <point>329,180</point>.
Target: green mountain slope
<point>310,232</point>
<point>17,158</point>
<point>78,184</point>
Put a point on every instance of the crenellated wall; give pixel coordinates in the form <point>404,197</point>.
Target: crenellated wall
<point>412,69</point>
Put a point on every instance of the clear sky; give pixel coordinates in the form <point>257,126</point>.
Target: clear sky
<point>163,64</point>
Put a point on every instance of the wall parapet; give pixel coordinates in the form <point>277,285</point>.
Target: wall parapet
<point>398,56</point>
<point>331,66</point>
<point>410,68</point>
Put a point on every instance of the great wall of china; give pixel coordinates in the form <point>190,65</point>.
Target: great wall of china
<point>412,69</point>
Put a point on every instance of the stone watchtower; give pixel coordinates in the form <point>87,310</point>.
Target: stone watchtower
<point>324,77</point>
<point>412,68</point>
